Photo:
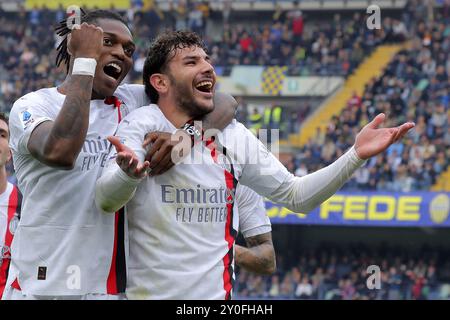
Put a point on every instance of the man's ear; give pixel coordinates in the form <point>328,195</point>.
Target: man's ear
<point>9,155</point>
<point>160,82</point>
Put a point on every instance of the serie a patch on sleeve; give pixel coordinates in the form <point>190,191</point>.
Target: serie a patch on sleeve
<point>26,119</point>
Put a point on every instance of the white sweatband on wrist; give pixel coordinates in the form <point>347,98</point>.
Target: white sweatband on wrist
<point>84,66</point>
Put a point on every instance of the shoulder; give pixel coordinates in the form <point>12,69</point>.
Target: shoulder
<point>44,98</point>
<point>236,134</point>
<point>147,118</point>
<point>125,89</point>
<point>132,95</point>
<point>235,127</point>
<point>144,113</point>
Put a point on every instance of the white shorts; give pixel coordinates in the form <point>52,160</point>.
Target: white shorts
<point>14,294</point>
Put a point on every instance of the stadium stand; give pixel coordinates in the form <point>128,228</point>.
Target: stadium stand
<point>332,274</point>
<point>413,87</point>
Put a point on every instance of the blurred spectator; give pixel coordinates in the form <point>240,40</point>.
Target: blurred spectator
<point>338,273</point>
<point>304,289</point>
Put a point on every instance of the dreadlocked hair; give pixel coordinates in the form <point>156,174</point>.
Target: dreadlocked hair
<point>62,30</point>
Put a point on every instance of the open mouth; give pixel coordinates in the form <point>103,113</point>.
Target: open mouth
<point>113,70</point>
<point>205,86</point>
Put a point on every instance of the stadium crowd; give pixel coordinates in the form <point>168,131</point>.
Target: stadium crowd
<point>324,48</point>
<point>414,87</point>
<point>331,273</point>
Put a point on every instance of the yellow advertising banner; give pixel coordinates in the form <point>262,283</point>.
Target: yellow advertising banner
<point>88,4</point>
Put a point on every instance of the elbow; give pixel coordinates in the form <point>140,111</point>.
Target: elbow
<point>56,159</point>
<point>270,269</point>
<point>60,162</point>
<point>270,264</point>
<point>302,208</point>
<point>104,206</point>
<point>108,209</point>
<point>102,203</point>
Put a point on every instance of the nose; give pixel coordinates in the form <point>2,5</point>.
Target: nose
<point>207,67</point>
<point>118,52</point>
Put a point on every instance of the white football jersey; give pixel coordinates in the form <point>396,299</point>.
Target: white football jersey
<point>63,244</point>
<point>183,224</point>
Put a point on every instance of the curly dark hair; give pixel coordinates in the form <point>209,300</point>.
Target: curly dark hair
<point>4,117</point>
<point>161,51</point>
<point>90,17</point>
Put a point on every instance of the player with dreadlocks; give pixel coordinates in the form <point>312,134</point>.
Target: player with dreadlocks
<point>64,247</point>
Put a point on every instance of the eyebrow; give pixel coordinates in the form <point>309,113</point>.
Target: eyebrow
<point>196,57</point>
<point>113,35</point>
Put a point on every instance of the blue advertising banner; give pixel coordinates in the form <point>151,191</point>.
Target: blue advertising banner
<point>414,209</point>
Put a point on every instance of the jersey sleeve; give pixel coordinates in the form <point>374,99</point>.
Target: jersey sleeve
<point>115,188</point>
<point>26,114</point>
<point>261,170</point>
<point>253,219</point>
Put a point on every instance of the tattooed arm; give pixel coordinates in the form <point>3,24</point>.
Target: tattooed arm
<point>58,143</point>
<point>259,256</point>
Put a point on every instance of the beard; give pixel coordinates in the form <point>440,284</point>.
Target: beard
<point>185,100</point>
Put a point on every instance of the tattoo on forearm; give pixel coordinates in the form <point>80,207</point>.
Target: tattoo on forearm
<point>72,121</point>
<point>259,257</point>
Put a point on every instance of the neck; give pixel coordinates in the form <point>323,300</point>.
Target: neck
<point>3,179</point>
<point>173,113</point>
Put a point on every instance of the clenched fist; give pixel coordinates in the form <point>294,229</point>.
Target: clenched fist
<point>85,41</point>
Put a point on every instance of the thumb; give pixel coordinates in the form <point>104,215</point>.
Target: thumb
<point>115,141</point>
<point>377,121</point>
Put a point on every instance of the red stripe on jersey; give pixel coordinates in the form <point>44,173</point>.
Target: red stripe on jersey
<point>230,233</point>
<point>111,285</point>
<point>13,203</point>
<point>113,100</point>
<point>227,260</point>
<point>210,144</point>
<point>116,282</point>
<point>16,285</point>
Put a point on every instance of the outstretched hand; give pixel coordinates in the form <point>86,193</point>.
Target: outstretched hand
<point>372,140</point>
<point>128,161</point>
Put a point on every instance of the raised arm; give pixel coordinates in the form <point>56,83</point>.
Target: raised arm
<point>58,143</point>
<point>306,193</point>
